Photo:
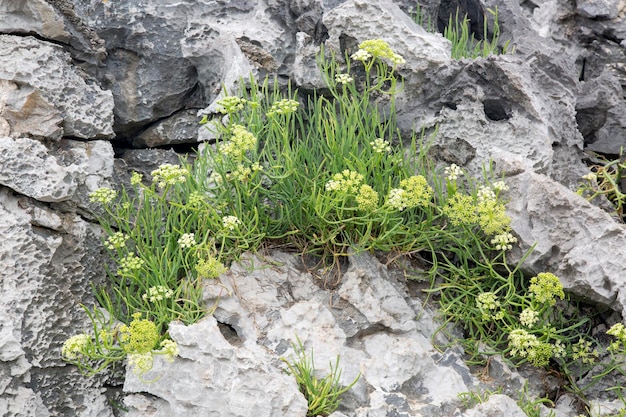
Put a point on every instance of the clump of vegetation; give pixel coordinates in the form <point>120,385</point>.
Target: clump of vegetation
<point>323,395</point>
<point>326,176</point>
<point>464,43</point>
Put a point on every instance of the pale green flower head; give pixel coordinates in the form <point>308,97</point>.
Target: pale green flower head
<point>210,267</point>
<point>170,349</point>
<point>196,199</point>
<point>168,174</point>
<point>230,222</point>
<point>230,104</point>
<point>75,346</point>
<point>452,172</point>
<point>461,210</point>
<point>584,351</point>
<point>619,332</point>
<point>546,287</point>
<point>116,241</point>
<point>367,198</point>
<point>157,293</point>
<point>527,345</point>
<point>129,264</point>
<point>418,192</point>
<point>528,317</point>
<point>140,363</point>
<point>345,181</point>
<point>378,48</point>
<point>141,336</point>
<point>241,173</point>
<point>136,178</point>
<point>284,106</point>
<point>103,195</point>
<point>489,306</point>
<point>240,142</point>
<point>343,79</point>
<point>187,240</point>
<point>492,217</point>
<point>380,145</point>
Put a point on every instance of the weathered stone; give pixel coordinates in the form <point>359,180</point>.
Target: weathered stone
<point>32,170</point>
<point>46,273</point>
<point>87,110</point>
<point>575,240</point>
<point>28,113</point>
<point>597,9</point>
<point>234,381</point>
<point>34,16</point>
<point>180,128</point>
<point>497,405</point>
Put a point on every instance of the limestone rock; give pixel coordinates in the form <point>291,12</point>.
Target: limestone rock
<point>180,128</point>
<point>87,110</point>
<point>27,113</point>
<point>214,377</point>
<point>29,168</point>
<point>47,265</point>
<point>497,405</point>
<point>35,16</point>
<point>575,240</point>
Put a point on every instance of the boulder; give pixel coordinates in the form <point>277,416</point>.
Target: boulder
<point>33,170</point>
<point>87,110</point>
<point>49,261</point>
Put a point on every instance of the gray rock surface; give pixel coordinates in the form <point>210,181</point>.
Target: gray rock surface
<point>144,69</point>
<point>48,262</point>
<point>87,110</point>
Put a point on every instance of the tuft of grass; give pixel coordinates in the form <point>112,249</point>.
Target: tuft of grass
<point>323,395</point>
<point>464,45</point>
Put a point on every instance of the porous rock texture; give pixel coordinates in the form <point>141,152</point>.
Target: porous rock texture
<point>88,88</point>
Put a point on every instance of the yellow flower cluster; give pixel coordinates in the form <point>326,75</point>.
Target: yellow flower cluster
<point>380,145</point>
<point>210,267</point>
<point>367,198</point>
<point>378,48</point>
<point>168,174</point>
<point>545,287</point>
<point>413,192</point>
<point>460,210</point>
<point>116,241</point>
<point>230,104</point>
<point>141,336</point>
<point>136,178</point>
<point>619,332</point>
<point>583,351</point>
<point>129,264</point>
<point>103,195</point>
<point>489,306</point>
<point>75,346</point>
<point>241,141</point>
<point>528,346</point>
<point>345,181</point>
<point>284,106</point>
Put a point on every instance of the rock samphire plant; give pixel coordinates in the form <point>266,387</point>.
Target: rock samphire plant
<point>327,175</point>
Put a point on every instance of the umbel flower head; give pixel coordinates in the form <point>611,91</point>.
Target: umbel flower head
<point>103,195</point>
<point>240,142</point>
<point>168,174</point>
<point>141,336</point>
<point>75,346</point>
<point>546,287</point>
<point>377,48</point>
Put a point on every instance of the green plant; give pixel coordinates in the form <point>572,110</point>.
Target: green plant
<point>532,407</point>
<point>322,394</point>
<point>463,43</point>
<point>472,398</point>
<point>422,19</point>
<point>605,179</point>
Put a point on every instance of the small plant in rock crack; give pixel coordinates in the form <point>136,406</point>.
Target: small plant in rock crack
<point>605,179</point>
<point>465,46</point>
<point>323,395</point>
